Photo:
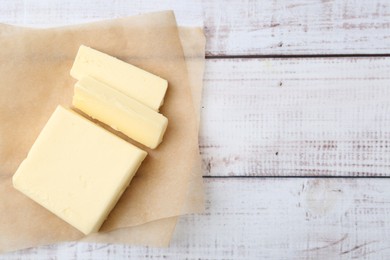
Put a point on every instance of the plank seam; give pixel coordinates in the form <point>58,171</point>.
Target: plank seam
<point>296,177</point>
<point>297,56</point>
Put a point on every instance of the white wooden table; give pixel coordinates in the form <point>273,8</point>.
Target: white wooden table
<point>295,130</point>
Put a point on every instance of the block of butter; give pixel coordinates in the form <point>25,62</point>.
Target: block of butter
<point>77,170</point>
<point>141,85</point>
<point>119,111</point>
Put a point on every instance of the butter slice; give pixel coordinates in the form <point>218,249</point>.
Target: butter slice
<point>119,111</point>
<point>134,82</point>
<point>77,170</point>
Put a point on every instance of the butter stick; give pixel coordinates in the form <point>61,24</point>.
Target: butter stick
<point>77,170</point>
<point>134,82</point>
<point>119,111</point>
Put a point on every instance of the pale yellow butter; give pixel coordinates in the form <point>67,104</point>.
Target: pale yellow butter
<point>119,111</point>
<point>77,170</point>
<point>134,82</point>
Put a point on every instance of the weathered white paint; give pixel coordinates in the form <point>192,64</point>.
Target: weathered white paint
<point>315,116</point>
<point>266,219</point>
<point>238,27</point>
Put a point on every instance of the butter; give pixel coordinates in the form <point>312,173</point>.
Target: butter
<point>77,170</point>
<point>134,82</point>
<point>119,111</point>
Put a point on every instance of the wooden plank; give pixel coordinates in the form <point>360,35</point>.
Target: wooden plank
<point>266,219</point>
<point>296,117</point>
<point>238,27</point>
<point>298,27</point>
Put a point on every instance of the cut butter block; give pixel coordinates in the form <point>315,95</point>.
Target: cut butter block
<point>77,170</point>
<point>134,82</point>
<point>119,111</point>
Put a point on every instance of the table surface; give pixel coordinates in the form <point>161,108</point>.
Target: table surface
<point>295,130</point>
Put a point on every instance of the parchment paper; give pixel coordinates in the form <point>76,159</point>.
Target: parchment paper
<point>34,74</point>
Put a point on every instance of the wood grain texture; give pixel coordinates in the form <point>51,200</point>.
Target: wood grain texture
<point>266,219</point>
<point>296,117</point>
<point>266,27</point>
